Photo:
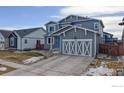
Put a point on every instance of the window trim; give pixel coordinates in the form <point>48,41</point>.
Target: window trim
<point>26,41</point>
<point>97,25</point>
<point>12,41</point>
<point>48,40</point>
<point>51,40</point>
<point>52,25</point>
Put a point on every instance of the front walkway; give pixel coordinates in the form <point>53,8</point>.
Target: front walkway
<point>54,66</point>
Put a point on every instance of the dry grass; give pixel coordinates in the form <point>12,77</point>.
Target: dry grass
<point>8,69</point>
<point>17,57</point>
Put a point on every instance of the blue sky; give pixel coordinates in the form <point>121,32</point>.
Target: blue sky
<point>18,17</point>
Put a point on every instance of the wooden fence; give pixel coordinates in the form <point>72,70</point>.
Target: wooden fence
<point>115,49</point>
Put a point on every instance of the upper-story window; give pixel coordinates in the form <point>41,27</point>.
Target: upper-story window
<point>96,25</point>
<point>51,28</point>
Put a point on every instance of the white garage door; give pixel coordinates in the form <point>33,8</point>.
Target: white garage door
<point>82,47</point>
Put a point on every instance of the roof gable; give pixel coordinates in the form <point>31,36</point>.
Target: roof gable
<point>50,22</point>
<point>76,18</point>
<point>72,18</point>
<point>5,33</point>
<point>73,27</point>
<point>24,32</point>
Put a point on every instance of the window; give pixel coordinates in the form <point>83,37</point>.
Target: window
<point>48,40</point>
<point>38,41</point>
<point>12,41</point>
<point>96,26</point>
<point>26,41</point>
<point>108,36</point>
<point>51,28</point>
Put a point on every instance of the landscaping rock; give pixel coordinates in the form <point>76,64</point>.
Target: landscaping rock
<point>100,71</point>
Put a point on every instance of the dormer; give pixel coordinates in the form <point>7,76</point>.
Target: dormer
<point>51,26</point>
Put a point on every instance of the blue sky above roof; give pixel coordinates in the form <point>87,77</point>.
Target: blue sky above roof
<point>26,16</point>
<point>17,17</point>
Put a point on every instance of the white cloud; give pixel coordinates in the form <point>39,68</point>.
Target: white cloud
<point>17,28</point>
<point>91,11</point>
<point>111,25</point>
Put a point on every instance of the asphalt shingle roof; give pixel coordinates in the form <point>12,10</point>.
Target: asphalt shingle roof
<point>5,33</point>
<point>24,32</point>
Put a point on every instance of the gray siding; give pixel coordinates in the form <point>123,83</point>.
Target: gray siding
<point>47,26</point>
<point>72,18</point>
<point>85,24</point>
<point>79,34</point>
<point>88,24</point>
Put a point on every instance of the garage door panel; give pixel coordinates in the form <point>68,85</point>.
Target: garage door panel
<point>81,47</point>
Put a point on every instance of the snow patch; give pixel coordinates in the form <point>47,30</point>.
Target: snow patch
<point>3,68</point>
<point>32,60</point>
<point>99,71</point>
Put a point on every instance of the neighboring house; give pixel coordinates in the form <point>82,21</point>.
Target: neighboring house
<point>74,35</point>
<point>25,39</point>
<point>4,43</point>
<point>108,38</point>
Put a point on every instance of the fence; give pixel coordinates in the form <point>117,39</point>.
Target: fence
<point>112,49</point>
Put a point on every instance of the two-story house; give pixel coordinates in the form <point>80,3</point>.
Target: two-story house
<point>74,35</point>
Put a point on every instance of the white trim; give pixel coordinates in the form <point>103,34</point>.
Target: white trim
<point>77,39</point>
<point>95,45</point>
<point>65,31</point>
<point>52,40</point>
<point>64,34</point>
<point>75,29</point>
<point>51,25</point>
<point>61,28</point>
<point>96,23</point>
<point>79,28</point>
<point>85,32</point>
<point>48,40</point>
<point>77,48</point>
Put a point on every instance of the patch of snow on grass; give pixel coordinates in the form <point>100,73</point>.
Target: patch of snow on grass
<point>33,60</point>
<point>3,68</point>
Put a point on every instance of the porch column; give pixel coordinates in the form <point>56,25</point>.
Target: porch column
<point>51,44</point>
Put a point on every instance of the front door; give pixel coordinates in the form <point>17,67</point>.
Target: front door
<point>57,42</point>
<point>13,42</point>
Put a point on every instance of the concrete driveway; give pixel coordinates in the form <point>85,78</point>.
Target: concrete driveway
<point>55,66</point>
